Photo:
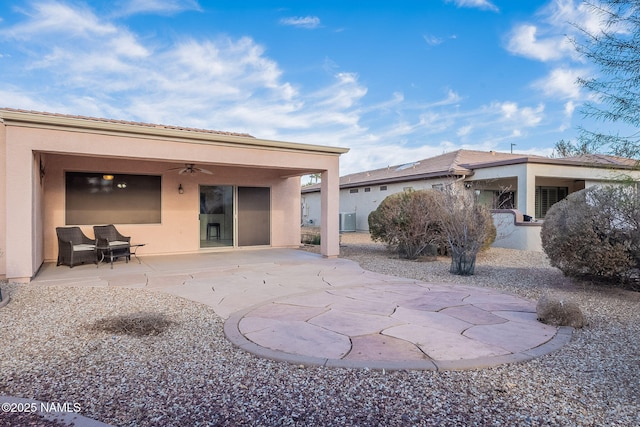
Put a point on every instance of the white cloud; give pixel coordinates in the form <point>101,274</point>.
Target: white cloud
<point>464,130</point>
<point>509,109</point>
<point>570,13</point>
<point>432,40</point>
<point>525,40</point>
<point>549,38</point>
<point>569,108</point>
<point>480,4</point>
<point>309,22</point>
<point>521,116</point>
<point>560,83</point>
<point>53,18</point>
<point>166,7</point>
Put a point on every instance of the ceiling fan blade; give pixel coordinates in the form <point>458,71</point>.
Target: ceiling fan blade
<point>190,168</point>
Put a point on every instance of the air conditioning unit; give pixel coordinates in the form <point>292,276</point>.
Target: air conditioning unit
<point>347,221</point>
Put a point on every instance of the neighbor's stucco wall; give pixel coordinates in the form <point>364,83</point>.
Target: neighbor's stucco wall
<point>513,233</point>
<point>361,202</point>
<point>520,178</point>
<point>530,175</point>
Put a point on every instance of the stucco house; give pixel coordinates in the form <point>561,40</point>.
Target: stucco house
<point>516,186</point>
<point>178,190</point>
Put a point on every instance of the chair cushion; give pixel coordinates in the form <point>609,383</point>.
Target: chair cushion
<point>83,247</point>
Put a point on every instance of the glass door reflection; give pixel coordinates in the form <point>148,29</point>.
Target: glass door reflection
<point>216,216</point>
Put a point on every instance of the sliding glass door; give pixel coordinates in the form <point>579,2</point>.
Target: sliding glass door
<point>216,216</point>
<point>254,216</point>
<point>249,206</point>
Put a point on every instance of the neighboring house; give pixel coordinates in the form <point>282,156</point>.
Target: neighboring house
<point>60,170</point>
<point>517,184</point>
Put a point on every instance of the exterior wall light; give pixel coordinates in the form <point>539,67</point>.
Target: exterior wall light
<point>180,189</point>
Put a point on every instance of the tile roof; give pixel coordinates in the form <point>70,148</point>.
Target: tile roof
<point>603,159</point>
<point>464,162</point>
<point>455,163</point>
<point>125,122</point>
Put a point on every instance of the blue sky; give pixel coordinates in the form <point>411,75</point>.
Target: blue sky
<point>393,81</point>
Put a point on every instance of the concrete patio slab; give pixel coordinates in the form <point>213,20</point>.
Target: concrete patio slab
<point>299,307</point>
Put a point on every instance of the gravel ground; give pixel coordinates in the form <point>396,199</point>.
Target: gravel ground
<point>190,375</point>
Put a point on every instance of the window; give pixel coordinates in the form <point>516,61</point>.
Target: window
<point>383,188</point>
<point>407,188</point>
<point>98,198</point>
<point>438,187</point>
<point>353,190</point>
<point>547,197</point>
<point>505,200</point>
<point>367,190</point>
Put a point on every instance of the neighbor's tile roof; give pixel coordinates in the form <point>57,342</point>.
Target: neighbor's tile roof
<point>125,122</point>
<point>455,163</point>
<point>602,159</point>
<point>464,162</point>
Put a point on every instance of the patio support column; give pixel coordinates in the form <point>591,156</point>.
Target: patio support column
<point>329,216</point>
<point>527,191</point>
<point>19,251</point>
<point>531,192</point>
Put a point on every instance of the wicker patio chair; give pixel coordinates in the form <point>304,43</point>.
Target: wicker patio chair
<point>109,236</point>
<point>74,247</point>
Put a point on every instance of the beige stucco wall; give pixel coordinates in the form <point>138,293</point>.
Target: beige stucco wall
<point>530,175</point>
<point>3,200</point>
<point>514,233</point>
<point>179,230</point>
<point>362,202</point>
<point>34,207</point>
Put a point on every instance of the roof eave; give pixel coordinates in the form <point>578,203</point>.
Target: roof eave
<point>33,119</point>
<point>395,180</point>
<point>548,161</point>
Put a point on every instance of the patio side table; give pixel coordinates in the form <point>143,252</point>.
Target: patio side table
<point>132,249</point>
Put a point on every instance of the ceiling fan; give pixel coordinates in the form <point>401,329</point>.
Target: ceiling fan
<point>190,169</point>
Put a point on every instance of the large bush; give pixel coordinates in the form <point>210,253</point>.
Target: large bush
<point>468,228</point>
<point>417,222</point>
<point>595,233</point>
<point>409,222</point>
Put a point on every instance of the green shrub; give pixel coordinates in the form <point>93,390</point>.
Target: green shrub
<point>409,222</point>
<point>594,233</point>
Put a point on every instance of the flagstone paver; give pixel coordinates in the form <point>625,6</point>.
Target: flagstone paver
<point>295,337</point>
<point>299,307</point>
<point>439,327</point>
<point>383,347</point>
<point>352,323</point>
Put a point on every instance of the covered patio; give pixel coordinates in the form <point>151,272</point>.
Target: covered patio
<point>177,190</point>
